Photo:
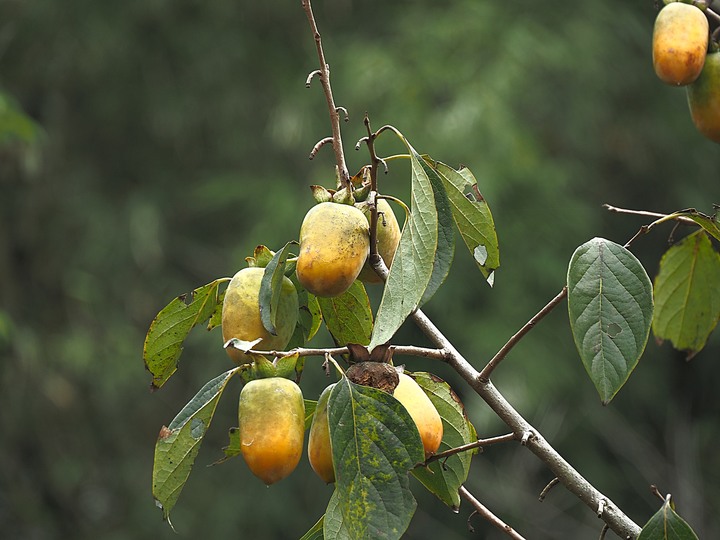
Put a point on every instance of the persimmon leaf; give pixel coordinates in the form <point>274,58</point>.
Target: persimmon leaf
<point>178,444</point>
<point>444,479</point>
<point>666,524</point>
<point>167,332</point>
<point>610,305</point>
<point>374,445</point>
<point>348,317</point>
<point>472,216</point>
<point>687,293</point>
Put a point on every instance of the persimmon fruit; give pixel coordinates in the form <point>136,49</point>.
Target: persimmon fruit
<point>241,313</point>
<point>319,448</point>
<point>704,98</point>
<point>271,413</point>
<point>334,245</point>
<point>388,237</point>
<point>422,411</point>
<point>680,41</point>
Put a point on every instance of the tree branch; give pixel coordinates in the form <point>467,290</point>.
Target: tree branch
<point>324,76</point>
<point>483,511</point>
<point>566,474</point>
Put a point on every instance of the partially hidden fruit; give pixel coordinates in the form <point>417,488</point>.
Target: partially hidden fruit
<point>319,449</point>
<point>334,245</point>
<point>271,413</point>
<point>704,98</point>
<point>388,237</point>
<point>241,313</point>
<point>680,41</point>
<point>422,411</point>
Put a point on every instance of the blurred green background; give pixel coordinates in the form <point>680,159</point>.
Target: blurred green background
<point>165,140</point>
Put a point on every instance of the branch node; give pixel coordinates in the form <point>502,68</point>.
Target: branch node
<point>317,73</point>
<point>526,437</point>
<point>554,482</point>
<point>319,145</point>
<point>601,507</point>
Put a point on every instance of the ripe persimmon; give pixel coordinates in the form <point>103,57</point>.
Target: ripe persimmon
<point>271,413</point>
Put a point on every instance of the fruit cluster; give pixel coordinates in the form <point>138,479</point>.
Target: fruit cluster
<point>686,54</point>
<point>271,414</point>
<point>334,249</point>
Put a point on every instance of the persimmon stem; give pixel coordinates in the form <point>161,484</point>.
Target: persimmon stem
<point>324,75</point>
<point>483,511</point>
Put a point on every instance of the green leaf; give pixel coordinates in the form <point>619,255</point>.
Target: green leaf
<point>289,366</point>
<point>163,343</point>
<point>348,317</point>
<point>374,444</point>
<point>709,223</point>
<point>446,233</point>
<point>423,255</point>
<point>316,532</point>
<point>334,523</point>
<point>472,217</point>
<point>687,293</point>
<point>216,317</point>
<point>610,306</point>
<point>445,478</point>
<point>666,524</point>
<point>233,448</point>
<point>271,287</point>
<point>178,444</point>
<point>309,317</point>
<point>310,406</point>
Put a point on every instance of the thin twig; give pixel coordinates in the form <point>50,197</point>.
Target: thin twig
<point>332,108</point>
<point>374,162</point>
<point>483,511</point>
<point>604,530</point>
<point>712,14</point>
<point>480,443</point>
<point>551,484</point>
<point>502,353</point>
<point>319,145</point>
<point>646,213</point>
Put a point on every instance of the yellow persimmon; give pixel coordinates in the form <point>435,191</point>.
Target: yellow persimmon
<point>241,313</point>
<point>271,413</point>
<point>334,245</point>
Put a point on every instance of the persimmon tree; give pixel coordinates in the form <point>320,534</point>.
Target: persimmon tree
<point>374,441</point>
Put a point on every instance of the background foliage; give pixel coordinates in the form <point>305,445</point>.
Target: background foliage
<point>172,138</point>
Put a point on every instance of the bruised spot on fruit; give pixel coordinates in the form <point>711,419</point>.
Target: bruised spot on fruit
<point>271,416</point>
<point>422,411</point>
<point>241,314</point>
<point>334,245</point>
<point>680,41</point>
